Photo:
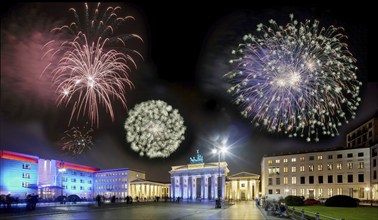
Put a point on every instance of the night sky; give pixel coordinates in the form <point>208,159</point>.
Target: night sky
<point>186,50</point>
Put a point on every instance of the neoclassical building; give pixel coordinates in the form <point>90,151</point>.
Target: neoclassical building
<point>195,181</point>
<point>203,180</point>
<point>242,186</point>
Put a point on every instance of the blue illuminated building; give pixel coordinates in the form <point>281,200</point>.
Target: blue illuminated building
<point>18,174</point>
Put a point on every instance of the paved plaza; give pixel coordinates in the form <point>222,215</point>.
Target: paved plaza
<point>143,210</point>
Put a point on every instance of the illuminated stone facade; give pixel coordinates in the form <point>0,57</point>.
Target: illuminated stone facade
<point>199,181</point>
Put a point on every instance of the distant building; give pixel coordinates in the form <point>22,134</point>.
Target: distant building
<point>243,186</point>
<point>22,174</point>
<point>149,190</point>
<point>115,182</point>
<point>318,174</point>
<point>364,135</point>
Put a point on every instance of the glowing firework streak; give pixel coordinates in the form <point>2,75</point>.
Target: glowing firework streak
<point>90,73</point>
<point>296,79</point>
<point>154,129</point>
<point>77,142</point>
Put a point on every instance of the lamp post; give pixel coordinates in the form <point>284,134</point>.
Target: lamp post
<point>223,149</point>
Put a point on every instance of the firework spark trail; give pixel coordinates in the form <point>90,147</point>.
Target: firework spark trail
<point>154,129</point>
<point>296,79</point>
<point>94,64</point>
<point>77,140</point>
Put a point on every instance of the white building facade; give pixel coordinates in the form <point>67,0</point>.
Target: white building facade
<point>199,181</point>
<point>243,186</point>
<point>344,171</point>
<point>115,182</point>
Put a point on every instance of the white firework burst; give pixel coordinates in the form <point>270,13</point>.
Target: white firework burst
<point>154,129</point>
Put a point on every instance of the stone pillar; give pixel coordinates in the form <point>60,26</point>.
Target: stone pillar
<point>223,185</point>
<point>203,186</point>
<point>190,185</point>
<point>237,190</point>
<point>173,187</point>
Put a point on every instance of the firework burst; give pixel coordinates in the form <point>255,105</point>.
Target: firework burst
<point>77,140</point>
<point>298,79</point>
<point>94,63</point>
<point>154,129</point>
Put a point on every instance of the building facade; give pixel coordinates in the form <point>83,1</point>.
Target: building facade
<point>318,174</point>
<point>199,180</point>
<point>115,182</point>
<point>364,135</point>
<point>243,186</point>
<point>75,179</point>
<point>18,174</point>
<point>22,174</point>
<point>149,190</point>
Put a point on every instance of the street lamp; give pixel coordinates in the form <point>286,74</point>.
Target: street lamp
<point>223,149</point>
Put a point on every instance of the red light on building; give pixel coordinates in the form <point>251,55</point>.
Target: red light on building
<point>17,156</point>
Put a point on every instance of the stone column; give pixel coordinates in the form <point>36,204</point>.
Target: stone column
<point>203,186</point>
<point>223,185</point>
<point>173,187</point>
<point>237,190</point>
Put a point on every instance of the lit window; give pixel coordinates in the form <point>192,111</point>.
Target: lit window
<point>285,169</point>
<point>320,157</point>
<point>361,165</point>
<point>277,161</point>
<point>301,159</point>
<point>26,166</point>
<point>293,169</point>
<point>293,159</point>
<point>311,168</point>
<point>329,166</point>
<point>320,167</point>
<point>301,168</point>
<point>285,180</point>
<point>285,160</point>
<point>339,166</point>
<point>350,165</point>
<point>293,180</point>
<point>270,161</point>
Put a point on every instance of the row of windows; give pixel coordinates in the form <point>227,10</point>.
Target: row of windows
<point>330,192</point>
<point>311,179</point>
<point>311,168</point>
<point>81,173</point>
<point>73,180</point>
<point>111,174</point>
<point>74,187</point>
<point>112,187</point>
<point>319,157</point>
<point>111,180</point>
